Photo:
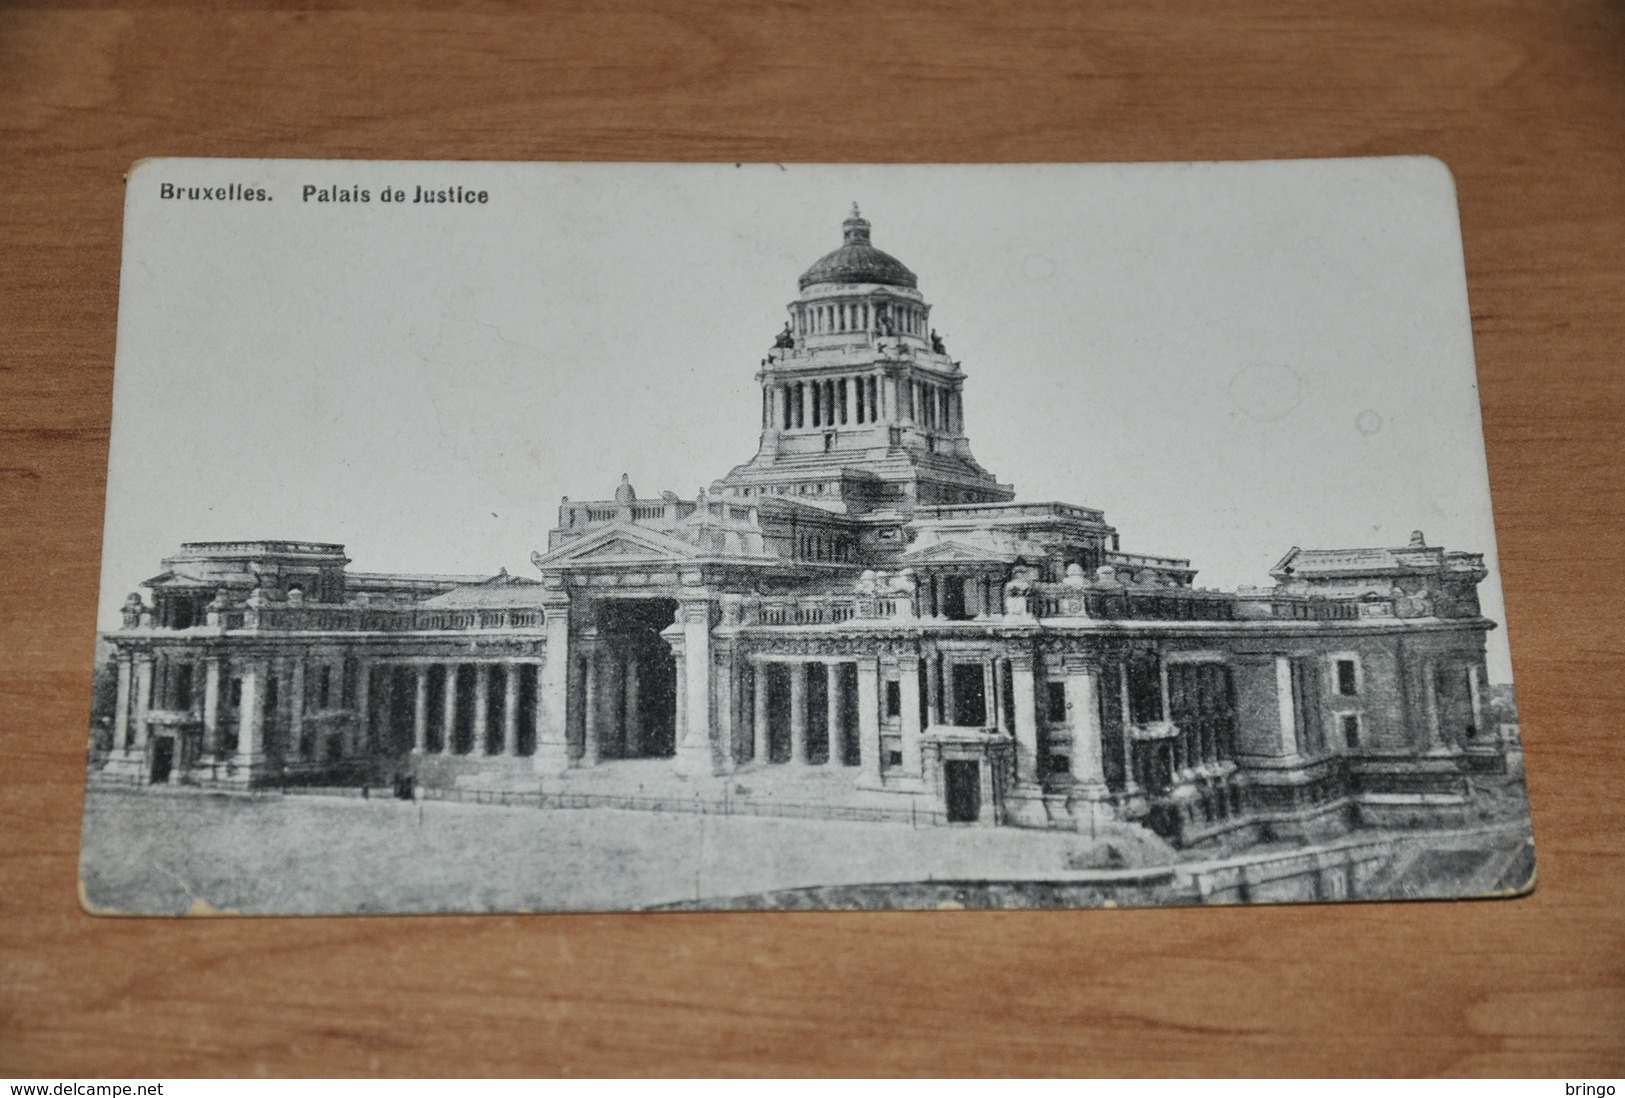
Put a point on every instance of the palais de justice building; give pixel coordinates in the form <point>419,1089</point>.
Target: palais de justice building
<point>860,596</point>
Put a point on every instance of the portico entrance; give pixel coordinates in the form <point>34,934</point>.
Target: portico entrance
<point>634,695</point>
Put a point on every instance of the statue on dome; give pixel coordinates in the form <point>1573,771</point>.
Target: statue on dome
<point>785,339</point>
<point>936,343</point>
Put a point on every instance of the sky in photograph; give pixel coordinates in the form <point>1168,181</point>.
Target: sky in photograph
<point>1228,359</point>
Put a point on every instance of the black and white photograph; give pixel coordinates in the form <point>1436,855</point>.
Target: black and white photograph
<point>552,537</point>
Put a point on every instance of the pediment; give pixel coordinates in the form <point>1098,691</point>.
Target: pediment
<point>617,543</point>
<point>955,552</point>
<point>619,547</point>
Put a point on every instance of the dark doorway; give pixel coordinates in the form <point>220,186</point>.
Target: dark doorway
<point>466,682</point>
<point>953,599</point>
<point>970,696</point>
<point>434,735</point>
<point>402,686</point>
<point>641,716</point>
<point>163,759</point>
<point>843,741</point>
<point>964,781</point>
<point>776,681</point>
<point>817,712</point>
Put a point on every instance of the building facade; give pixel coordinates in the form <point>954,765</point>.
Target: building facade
<point>860,596</point>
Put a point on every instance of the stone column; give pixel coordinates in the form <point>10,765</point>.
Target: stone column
<point>950,712</point>
<point>552,753</point>
<point>420,707</point>
<point>250,721</point>
<point>363,706</point>
<point>761,744</point>
<point>835,710</point>
<point>211,706</point>
<point>869,761</point>
<point>680,709</point>
<point>448,712</point>
<point>1284,706</point>
<point>1430,702</point>
<point>480,741</point>
<point>1083,698</point>
<point>908,689</point>
<point>725,711</point>
<point>990,695</point>
<point>296,712</point>
<point>798,713</point>
<point>121,707</point>
<point>1131,784</point>
<point>694,749</point>
<point>590,703</point>
<point>632,742</point>
<point>1007,725</point>
<point>848,408</point>
<point>933,689</point>
<point>1026,715</point>
<point>509,744</point>
<point>143,702</point>
<point>1475,687</point>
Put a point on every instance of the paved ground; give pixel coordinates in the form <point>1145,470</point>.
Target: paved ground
<point>160,852</point>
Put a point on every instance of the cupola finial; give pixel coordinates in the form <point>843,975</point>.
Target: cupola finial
<point>855,230</point>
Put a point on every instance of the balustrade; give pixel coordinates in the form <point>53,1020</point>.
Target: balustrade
<point>375,619</point>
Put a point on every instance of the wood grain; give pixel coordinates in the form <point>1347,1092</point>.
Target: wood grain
<point>1526,102</point>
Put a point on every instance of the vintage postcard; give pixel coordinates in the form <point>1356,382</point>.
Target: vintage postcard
<point>543,537</point>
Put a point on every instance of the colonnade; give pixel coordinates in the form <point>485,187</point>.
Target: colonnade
<point>497,717</point>
<point>981,595</point>
<point>798,713</point>
<point>318,708</point>
<point>842,317</point>
<point>610,719</point>
<point>861,399</point>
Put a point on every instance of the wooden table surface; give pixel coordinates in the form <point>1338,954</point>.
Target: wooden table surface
<point>1526,102</point>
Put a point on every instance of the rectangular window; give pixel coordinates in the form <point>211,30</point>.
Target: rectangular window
<point>183,686</point>
<point>236,693</point>
<point>324,688</point>
<point>1145,688</point>
<point>1347,678</point>
<point>1055,702</point>
<point>894,698</point>
<point>1060,764</point>
<point>1351,730</point>
<point>970,700</point>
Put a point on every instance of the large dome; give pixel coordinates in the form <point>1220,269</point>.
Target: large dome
<point>857,261</point>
